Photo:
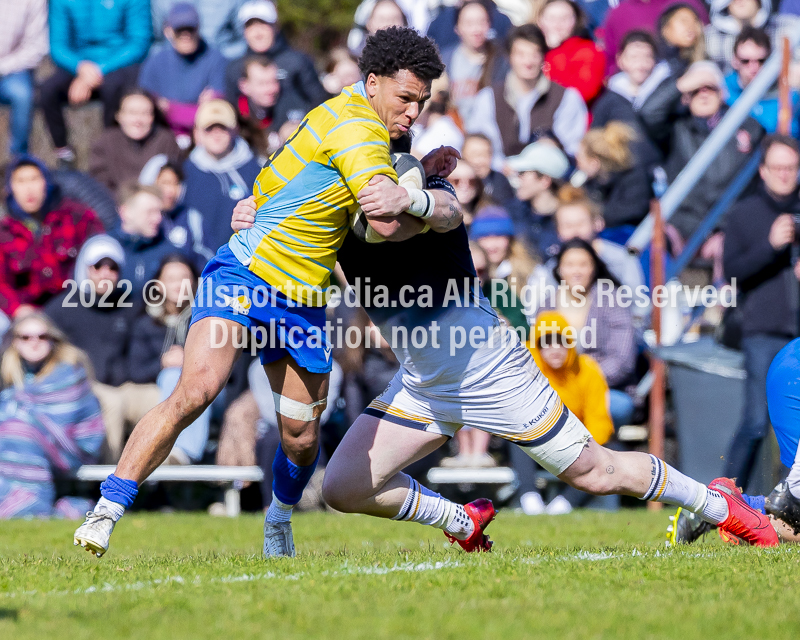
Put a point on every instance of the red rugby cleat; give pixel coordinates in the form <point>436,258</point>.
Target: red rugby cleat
<point>481,512</point>
<point>743,521</point>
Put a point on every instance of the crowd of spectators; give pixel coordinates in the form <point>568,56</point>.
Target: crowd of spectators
<point>567,114</point>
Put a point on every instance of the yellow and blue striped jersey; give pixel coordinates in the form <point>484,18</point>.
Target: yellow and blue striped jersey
<point>306,194</point>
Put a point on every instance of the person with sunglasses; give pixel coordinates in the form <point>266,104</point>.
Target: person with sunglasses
<point>97,316</point>
<point>50,422</point>
<point>752,48</point>
<point>731,18</point>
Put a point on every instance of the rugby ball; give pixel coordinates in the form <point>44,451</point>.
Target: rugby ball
<point>409,174</point>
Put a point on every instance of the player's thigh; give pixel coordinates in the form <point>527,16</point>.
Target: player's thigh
<point>290,380</point>
<point>374,450</point>
<point>208,358</point>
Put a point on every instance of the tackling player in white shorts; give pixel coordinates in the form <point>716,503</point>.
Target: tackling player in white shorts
<point>490,383</point>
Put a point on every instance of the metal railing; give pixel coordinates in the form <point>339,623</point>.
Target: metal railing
<point>729,196</point>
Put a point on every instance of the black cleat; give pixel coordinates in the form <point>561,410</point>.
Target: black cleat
<point>784,506</point>
<point>686,527</point>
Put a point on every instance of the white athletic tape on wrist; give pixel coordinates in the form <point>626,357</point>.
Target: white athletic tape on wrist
<point>298,410</point>
<point>422,203</point>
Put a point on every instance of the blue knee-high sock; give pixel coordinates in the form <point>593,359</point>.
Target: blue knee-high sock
<point>119,490</point>
<point>289,479</point>
<point>756,502</point>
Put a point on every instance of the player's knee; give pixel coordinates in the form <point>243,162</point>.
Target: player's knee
<point>193,397</point>
<point>301,444</point>
<point>335,493</point>
<point>596,482</point>
<point>591,474</point>
<point>593,471</point>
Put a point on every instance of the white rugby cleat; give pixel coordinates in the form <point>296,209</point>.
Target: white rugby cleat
<point>278,540</point>
<point>94,534</point>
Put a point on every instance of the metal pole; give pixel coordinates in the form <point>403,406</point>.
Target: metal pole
<point>696,167</point>
<point>658,392</point>
<point>727,199</point>
<point>785,108</point>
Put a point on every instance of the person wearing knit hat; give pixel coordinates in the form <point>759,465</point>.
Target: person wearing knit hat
<point>493,231</point>
<point>581,385</point>
<point>491,221</point>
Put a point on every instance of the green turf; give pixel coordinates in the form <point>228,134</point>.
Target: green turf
<point>585,575</point>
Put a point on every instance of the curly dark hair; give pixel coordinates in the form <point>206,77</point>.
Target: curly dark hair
<point>389,50</point>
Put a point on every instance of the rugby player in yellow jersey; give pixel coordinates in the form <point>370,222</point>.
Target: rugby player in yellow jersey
<point>273,276</point>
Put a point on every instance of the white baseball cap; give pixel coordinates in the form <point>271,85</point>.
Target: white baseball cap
<point>263,10</point>
<point>543,158</point>
<point>703,73</point>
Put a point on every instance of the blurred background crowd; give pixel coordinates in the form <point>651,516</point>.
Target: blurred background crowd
<point>132,127</point>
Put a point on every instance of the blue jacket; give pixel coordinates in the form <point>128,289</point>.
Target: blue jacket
<point>219,24</point>
<point>213,187</point>
<point>143,257</point>
<point>791,7</point>
<point>111,33</point>
<point>535,231</point>
<point>764,112</point>
<point>178,78</point>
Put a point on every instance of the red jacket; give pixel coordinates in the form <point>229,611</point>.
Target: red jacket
<point>36,258</point>
<point>577,63</point>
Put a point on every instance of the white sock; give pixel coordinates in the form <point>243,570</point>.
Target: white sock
<point>426,507</point>
<point>670,486</point>
<point>279,512</point>
<point>716,507</point>
<point>116,509</point>
<point>461,525</point>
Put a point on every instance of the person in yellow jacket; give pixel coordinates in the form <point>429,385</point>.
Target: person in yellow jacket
<point>579,381</point>
<point>576,377</point>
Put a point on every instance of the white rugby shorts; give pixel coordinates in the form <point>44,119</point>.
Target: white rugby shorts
<point>499,390</point>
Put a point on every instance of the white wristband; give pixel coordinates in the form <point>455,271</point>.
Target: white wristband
<point>422,203</point>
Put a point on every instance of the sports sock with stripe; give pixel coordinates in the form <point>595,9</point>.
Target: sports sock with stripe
<point>427,507</point>
<point>670,486</point>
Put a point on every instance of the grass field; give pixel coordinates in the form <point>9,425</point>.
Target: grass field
<point>585,575</point>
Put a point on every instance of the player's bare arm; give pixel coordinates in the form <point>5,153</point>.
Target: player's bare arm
<point>382,198</point>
